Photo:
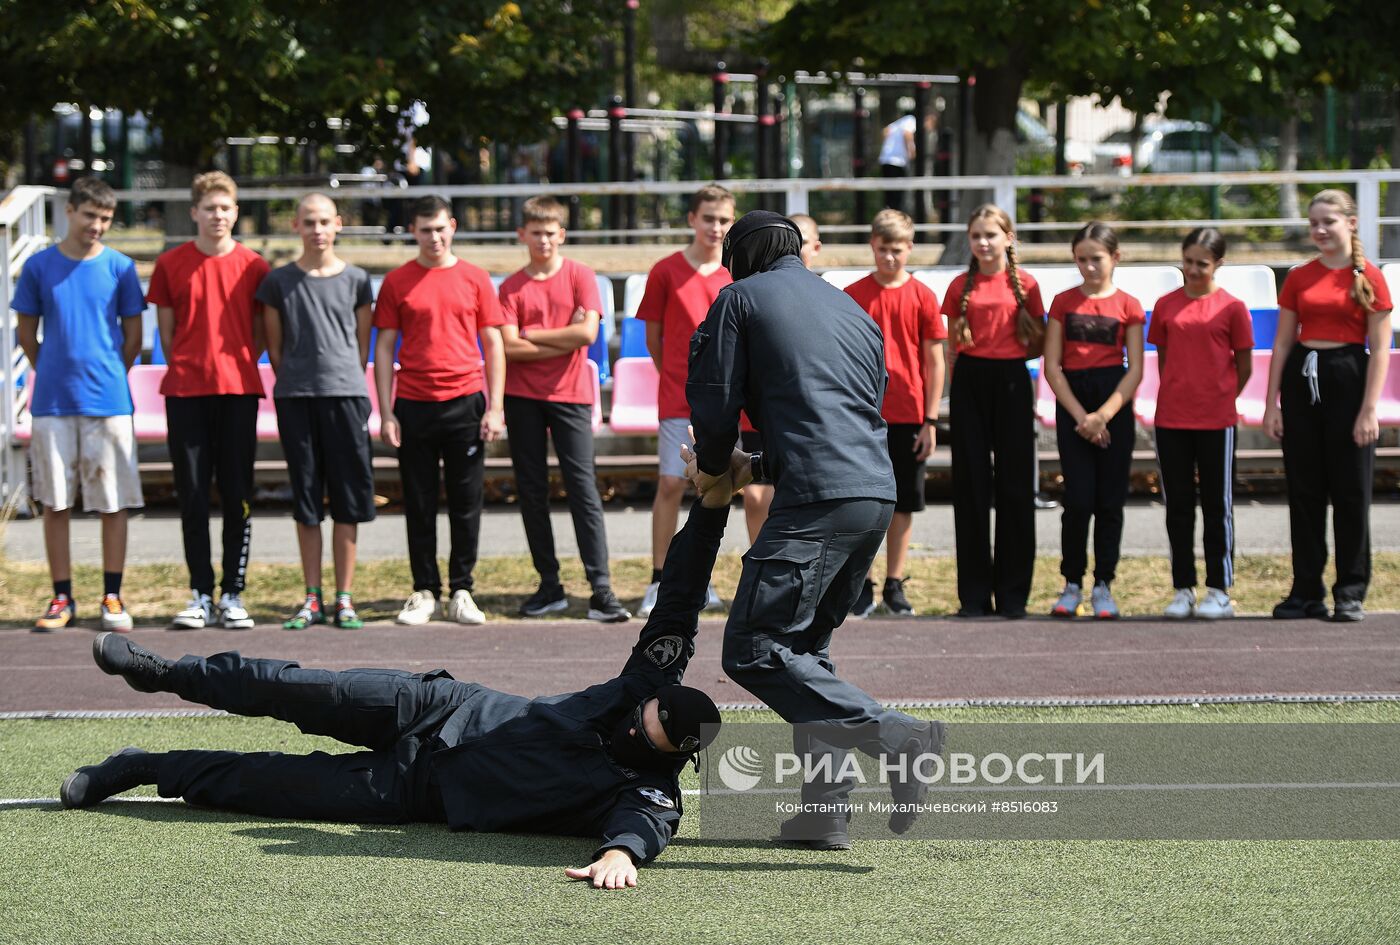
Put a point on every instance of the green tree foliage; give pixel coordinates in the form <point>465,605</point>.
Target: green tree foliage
<point>206,69</point>
<point>1199,50</point>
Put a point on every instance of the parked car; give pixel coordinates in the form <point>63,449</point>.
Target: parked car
<point>1032,137</point>
<point>1169,146</point>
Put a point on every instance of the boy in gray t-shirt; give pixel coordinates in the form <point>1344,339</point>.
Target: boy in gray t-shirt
<point>318,312</point>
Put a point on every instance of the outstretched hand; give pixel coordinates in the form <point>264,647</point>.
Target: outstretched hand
<point>613,870</point>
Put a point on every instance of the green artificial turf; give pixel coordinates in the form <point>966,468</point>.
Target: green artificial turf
<point>167,873</point>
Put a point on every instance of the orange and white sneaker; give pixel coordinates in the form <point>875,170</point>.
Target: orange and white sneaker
<point>60,614</point>
<point>114,615</point>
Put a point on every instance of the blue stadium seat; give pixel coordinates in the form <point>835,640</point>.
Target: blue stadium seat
<point>1265,326</point>
<point>634,339</point>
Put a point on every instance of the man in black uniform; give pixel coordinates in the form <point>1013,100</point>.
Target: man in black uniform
<point>808,366</point>
<point>601,762</point>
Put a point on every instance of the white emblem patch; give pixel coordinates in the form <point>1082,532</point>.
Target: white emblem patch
<point>657,797</point>
<point>663,651</point>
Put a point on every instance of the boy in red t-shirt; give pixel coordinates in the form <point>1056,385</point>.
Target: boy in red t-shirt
<point>909,317</point>
<point>551,311</point>
<point>211,329</point>
<point>680,290</point>
<point>436,409</point>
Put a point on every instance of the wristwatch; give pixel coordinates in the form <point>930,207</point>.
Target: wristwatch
<point>930,421</point>
<point>757,470</point>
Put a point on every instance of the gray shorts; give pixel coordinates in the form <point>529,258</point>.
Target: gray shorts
<point>671,435</point>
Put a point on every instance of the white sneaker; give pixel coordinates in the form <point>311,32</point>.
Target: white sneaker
<point>649,599</point>
<point>114,615</point>
<point>232,614</point>
<point>198,613</point>
<point>463,609</point>
<point>420,607</point>
<point>712,601</point>
<point>1215,606</point>
<point>1183,605</point>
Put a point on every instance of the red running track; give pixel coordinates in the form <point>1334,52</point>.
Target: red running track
<point>898,661</point>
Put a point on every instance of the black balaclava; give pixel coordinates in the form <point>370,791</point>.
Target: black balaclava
<point>688,716</point>
<point>759,239</point>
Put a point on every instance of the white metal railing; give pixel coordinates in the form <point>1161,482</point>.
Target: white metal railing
<point>797,193</point>
<point>23,232</point>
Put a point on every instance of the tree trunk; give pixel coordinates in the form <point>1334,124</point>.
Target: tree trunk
<point>1288,161</point>
<point>991,149</point>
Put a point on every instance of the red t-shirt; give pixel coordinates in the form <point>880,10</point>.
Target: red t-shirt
<point>1321,297</point>
<point>677,297</point>
<point>908,316</point>
<point>1197,340</point>
<point>214,299</point>
<point>527,303</point>
<point>1096,330</point>
<point>991,312</point>
<point>439,313</point>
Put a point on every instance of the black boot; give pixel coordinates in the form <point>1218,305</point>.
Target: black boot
<point>816,831</point>
<point>908,790</point>
<point>92,784</point>
<point>143,670</point>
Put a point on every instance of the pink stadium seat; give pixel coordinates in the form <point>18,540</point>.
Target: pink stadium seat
<point>1251,400</point>
<point>1388,410</point>
<point>373,403</point>
<point>24,422</point>
<point>597,396</point>
<point>1145,400</point>
<point>267,411</point>
<point>1044,400</point>
<point>634,396</point>
<point>149,402</point>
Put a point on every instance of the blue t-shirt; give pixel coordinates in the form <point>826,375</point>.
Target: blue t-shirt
<point>80,305</point>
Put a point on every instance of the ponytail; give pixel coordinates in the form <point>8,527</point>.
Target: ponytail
<point>959,329</point>
<point>1361,289</point>
<point>1030,332</point>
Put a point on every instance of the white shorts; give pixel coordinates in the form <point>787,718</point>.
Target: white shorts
<point>97,452</point>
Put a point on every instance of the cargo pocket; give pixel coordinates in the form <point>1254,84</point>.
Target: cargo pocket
<point>783,592</point>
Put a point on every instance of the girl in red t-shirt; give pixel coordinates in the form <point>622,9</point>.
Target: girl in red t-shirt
<point>996,322</point>
<point>1091,330</point>
<point>1321,403</point>
<point>1205,344</point>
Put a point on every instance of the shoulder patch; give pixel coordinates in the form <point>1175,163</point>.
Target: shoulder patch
<point>663,651</point>
<point>657,797</point>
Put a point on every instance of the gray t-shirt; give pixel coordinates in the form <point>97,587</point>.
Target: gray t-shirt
<point>320,350</point>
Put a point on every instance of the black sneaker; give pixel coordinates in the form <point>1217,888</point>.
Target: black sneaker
<point>92,784</point>
<point>906,788</point>
<point>1296,608</point>
<point>604,607</point>
<point>549,599</point>
<point>895,601</point>
<point>816,832</point>
<point>864,604</point>
<point>143,670</point>
<point>1348,611</point>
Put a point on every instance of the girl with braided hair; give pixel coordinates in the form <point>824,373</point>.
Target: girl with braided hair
<point>1321,403</point>
<point>1093,330</point>
<point>996,321</point>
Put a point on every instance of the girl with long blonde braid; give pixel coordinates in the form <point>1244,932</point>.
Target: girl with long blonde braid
<point>996,321</point>
<point>1323,390</point>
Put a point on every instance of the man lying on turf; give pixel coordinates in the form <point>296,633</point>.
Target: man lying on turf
<point>601,762</point>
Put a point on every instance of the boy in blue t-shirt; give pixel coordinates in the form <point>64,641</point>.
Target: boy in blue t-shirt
<point>89,301</point>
